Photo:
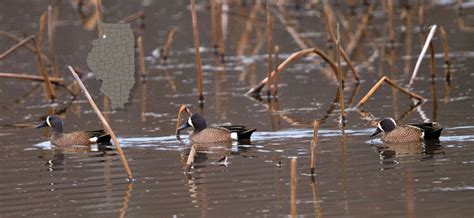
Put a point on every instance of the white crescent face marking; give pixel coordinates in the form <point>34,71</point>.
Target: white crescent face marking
<point>380,127</point>
<point>47,121</point>
<point>190,122</point>
<point>393,121</point>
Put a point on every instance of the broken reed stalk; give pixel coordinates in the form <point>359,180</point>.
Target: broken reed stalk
<point>196,47</point>
<point>329,18</point>
<point>360,30</point>
<point>99,17</point>
<point>27,46</point>
<point>105,123</point>
<point>269,47</point>
<point>214,24</point>
<point>296,55</point>
<point>190,161</point>
<point>391,32</point>
<point>275,79</point>
<point>55,80</point>
<point>16,46</point>
<point>141,57</point>
<point>340,78</point>
<point>133,17</point>
<point>169,42</point>
<point>41,29</point>
<point>420,58</point>
<point>294,182</point>
<point>42,70</point>
<point>447,62</point>
<point>52,50</point>
<point>314,146</point>
<point>391,83</point>
<point>432,61</point>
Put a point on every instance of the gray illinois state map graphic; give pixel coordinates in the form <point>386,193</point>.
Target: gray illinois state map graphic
<point>113,60</point>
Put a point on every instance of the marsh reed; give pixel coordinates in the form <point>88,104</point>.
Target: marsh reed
<point>104,123</point>
<point>196,49</point>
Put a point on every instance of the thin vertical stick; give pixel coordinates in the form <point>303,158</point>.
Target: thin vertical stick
<point>42,25</point>
<point>314,146</point>
<point>423,52</point>
<point>432,61</point>
<point>339,77</point>
<point>43,72</point>
<point>214,24</point>
<point>190,161</point>
<point>391,32</point>
<point>269,48</point>
<point>52,50</point>
<point>141,57</point>
<point>169,42</point>
<point>99,17</point>
<point>105,123</point>
<point>196,47</point>
<point>294,182</point>
<point>275,79</point>
<point>447,62</point>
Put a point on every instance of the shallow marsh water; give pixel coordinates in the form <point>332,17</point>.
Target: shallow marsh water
<point>354,176</point>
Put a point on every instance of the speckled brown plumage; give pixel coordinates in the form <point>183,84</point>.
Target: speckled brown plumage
<point>403,134</point>
<point>76,138</point>
<point>212,134</point>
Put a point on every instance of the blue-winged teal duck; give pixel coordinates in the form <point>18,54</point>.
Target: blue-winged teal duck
<point>204,134</point>
<point>75,138</point>
<point>407,133</point>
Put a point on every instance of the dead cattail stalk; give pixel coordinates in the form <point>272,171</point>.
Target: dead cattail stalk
<point>296,55</point>
<point>190,161</point>
<point>41,29</point>
<point>105,123</point>
<point>432,61</point>
<point>421,16</point>
<point>143,101</point>
<point>420,58</point>
<point>99,16</point>
<point>55,80</point>
<point>16,46</point>
<point>340,78</point>
<point>447,62</point>
<point>275,79</point>
<point>42,70</point>
<point>214,24</point>
<point>196,47</point>
<point>52,50</point>
<point>269,47</point>
<point>27,46</point>
<point>294,182</point>
<point>292,31</point>
<point>141,57</point>
<point>133,17</point>
<point>391,32</point>
<point>169,42</point>
<point>314,146</point>
<point>329,17</point>
<point>360,30</point>
<point>391,83</point>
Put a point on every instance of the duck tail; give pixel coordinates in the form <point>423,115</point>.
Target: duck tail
<point>431,130</point>
<point>245,135</point>
<point>102,136</point>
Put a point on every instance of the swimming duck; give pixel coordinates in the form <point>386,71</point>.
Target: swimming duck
<point>407,133</point>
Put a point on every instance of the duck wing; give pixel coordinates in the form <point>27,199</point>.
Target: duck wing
<point>431,130</point>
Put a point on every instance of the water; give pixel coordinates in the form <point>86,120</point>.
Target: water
<point>355,176</point>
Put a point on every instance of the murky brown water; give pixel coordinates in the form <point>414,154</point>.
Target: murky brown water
<point>354,176</point>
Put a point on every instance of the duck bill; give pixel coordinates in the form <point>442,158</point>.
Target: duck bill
<point>377,131</point>
<point>44,124</point>
<point>184,126</point>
